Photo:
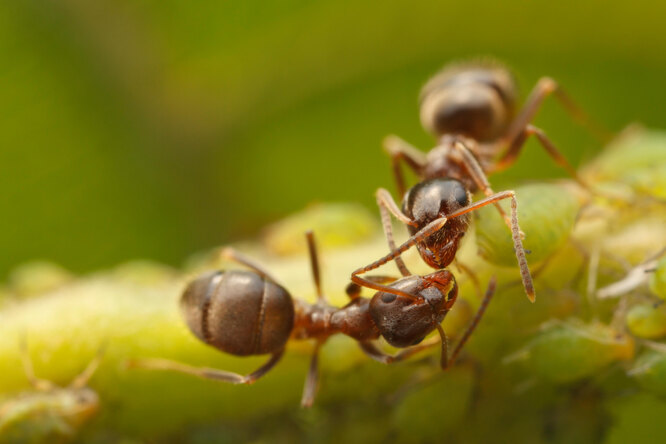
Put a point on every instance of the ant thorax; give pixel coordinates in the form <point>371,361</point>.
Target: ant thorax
<point>445,161</point>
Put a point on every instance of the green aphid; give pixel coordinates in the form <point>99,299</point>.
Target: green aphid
<point>567,351</point>
<point>38,277</point>
<point>658,279</point>
<point>48,413</point>
<point>546,214</point>
<point>637,158</point>
<point>647,320</point>
<point>649,370</point>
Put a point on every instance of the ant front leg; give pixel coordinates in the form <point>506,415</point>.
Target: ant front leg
<point>206,373</point>
<point>353,290</point>
<point>544,88</point>
<point>399,150</point>
<point>511,155</point>
<point>515,234</point>
<point>423,233</point>
<point>376,354</point>
<point>480,178</point>
<point>387,206</point>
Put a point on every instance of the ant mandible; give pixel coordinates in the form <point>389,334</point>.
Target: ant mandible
<point>248,313</point>
<point>470,108</point>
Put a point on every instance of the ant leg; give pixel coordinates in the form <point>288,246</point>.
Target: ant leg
<point>515,234</point>
<point>314,265</point>
<point>312,380</point>
<point>399,150</point>
<point>479,177</point>
<point>472,276</point>
<point>477,317</point>
<point>35,382</point>
<point>545,87</point>
<point>387,205</point>
<point>353,290</point>
<point>517,144</point>
<point>423,233</point>
<point>204,372</point>
<point>376,354</point>
<point>82,380</point>
<point>232,254</point>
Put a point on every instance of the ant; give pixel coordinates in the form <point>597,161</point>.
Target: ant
<point>246,313</point>
<point>470,108</point>
<point>50,412</point>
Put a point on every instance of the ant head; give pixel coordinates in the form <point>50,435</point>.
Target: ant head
<point>406,321</point>
<point>430,200</point>
<point>476,100</point>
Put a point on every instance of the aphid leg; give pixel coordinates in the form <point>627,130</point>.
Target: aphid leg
<point>423,233</point>
<point>479,177</point>
<point>82,379</point>
<point>387,206</point>
<point>511,155</point>
<point>472,276</point>
<point>515,234</point>
<point>204,372</point>
<point>314,265</point>
<point>312,380</point>
<point>376,354</point>
<point>545,87</point>
<point>353,290</point>
<point>475,321</point>
<point>399,150</point>
<point>35,382</point>
<point>232,254</point>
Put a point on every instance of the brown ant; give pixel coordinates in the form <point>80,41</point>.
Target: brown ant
<point>471,109</point>
<point>247,313</point>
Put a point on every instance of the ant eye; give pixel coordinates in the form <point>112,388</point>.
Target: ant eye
<point>388,297</point>
<point>461,196</point>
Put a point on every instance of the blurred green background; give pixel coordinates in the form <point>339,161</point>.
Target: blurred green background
<point>157,128</point>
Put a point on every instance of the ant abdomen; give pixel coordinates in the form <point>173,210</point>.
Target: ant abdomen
<point>475,100</point>
<point>239,312</point>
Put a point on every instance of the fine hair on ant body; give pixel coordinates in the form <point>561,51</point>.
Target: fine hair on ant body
<point>471,108</point>
<point>248,313</point>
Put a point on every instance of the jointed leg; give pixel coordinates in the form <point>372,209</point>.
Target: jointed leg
<point>387,205</point>
<point>375,353</point>
<point>82,380</point>
<point>206,373</point>
<point>232,254</point>
<point>314,265</point>
<point>479,177</point>
<point>475,321</point>
<point>399,150</point>
<point>426,231</point>
<point>312,380</point>
<point>545,87</point>
<point>353,290</point>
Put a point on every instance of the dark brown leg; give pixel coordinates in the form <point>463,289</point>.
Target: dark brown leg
<point>206,373</point>
<point>387,206</point>
<point>399,150</point>
<point>545,87</point>
<point>314,265</point>
<point>436,225</point>
<point>232,254</point>
<point>475,321</point>
<point>82,380</point>
<point>312,380</point>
